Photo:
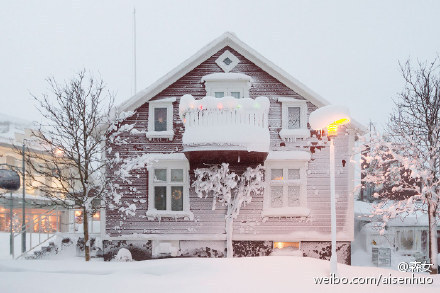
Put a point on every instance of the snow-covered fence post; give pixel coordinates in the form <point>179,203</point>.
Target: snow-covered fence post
<point>228,189</point>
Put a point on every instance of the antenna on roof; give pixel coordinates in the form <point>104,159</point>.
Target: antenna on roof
<point>134,48</point>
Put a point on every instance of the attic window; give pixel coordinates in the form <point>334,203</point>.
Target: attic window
<point>227,61</point>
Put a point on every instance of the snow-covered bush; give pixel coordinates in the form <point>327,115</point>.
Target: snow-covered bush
<point>123,255</point>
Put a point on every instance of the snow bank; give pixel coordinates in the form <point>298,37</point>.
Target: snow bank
<point>188,103</point>
<point>194,275</point>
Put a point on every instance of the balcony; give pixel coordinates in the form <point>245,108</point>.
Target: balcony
<point>235,128</point>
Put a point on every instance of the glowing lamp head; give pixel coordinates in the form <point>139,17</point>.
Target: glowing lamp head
<point>330,117</point>
<point>332,128</point>
<point>219,106</point>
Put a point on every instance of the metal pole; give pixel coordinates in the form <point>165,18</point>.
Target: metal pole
<point>333,258</point>
<point>11,239</point>
<point>134,49</point>
<point>23,222</point>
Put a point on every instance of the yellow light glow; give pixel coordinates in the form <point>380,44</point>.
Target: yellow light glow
<point>281,245</point>
<point>342,121</point>
<point>278,178</point>
<point>59,152</point>
<point>78,213</point>
<point>333,127</point>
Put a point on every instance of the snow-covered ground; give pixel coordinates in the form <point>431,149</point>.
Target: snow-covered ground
<point>260,274</point>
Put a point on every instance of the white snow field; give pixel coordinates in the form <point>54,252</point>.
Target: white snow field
<point>259,274</point>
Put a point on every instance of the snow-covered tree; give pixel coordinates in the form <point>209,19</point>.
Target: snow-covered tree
<point>229,189</point>
<point>407,159</point>
<point>69,168</point>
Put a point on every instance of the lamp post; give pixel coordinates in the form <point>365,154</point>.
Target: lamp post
<point>331,117</point>
<point>11,228</point>
<point>23,207</point>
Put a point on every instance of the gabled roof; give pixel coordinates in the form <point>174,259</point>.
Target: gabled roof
<point>231,40</point>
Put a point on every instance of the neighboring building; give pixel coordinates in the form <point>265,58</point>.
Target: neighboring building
<point>227,103</point>
<point>40,217</point>
<point>404,235</point>
<point>407,234</point>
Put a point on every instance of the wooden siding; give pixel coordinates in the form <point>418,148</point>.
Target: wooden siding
<point>249,222</point>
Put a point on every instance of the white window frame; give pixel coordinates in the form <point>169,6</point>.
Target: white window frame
<point>285,210</point>
<point>302,131</point>
<point>152,212</point>
<point>227,87</point>
<point>162,103</point>
<point>227,83</point>
<point>227,54</point>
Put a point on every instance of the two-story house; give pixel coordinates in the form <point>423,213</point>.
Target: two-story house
<point>228,104</point>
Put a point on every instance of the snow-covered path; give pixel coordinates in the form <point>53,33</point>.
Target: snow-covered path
<point>261,274</point>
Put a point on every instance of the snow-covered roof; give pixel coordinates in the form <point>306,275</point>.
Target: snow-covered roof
<point>10,125</point>
<point>231,40</point>
<point>226,77</point>
<point>364,210</point>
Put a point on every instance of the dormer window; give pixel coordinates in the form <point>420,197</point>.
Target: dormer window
<point>160,119</point>
<point>221,85</point>
<point>294,119</point>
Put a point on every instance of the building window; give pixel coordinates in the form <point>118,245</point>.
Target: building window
<point>220,85</point>
<point>238,94</point>
<point>286,193</point>
<point>407,239</point>
<point>227,61</point>
<point>294,119</point>
<point>160,119</point>
<point>168,194</point>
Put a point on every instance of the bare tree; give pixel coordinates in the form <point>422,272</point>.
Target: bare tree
<point>408,161</point>
<point>70,168</point>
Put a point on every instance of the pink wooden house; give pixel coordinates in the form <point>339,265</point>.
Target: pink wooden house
<point>227,103</point>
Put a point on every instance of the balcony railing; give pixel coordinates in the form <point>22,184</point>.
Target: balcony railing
<point>225,123</point>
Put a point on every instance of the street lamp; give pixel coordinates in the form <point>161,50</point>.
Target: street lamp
<point>331,117</point>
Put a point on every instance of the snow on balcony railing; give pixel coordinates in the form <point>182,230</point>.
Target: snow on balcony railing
<point>225,123</point>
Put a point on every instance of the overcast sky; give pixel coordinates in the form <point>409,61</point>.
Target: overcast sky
<point>347,51</point>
